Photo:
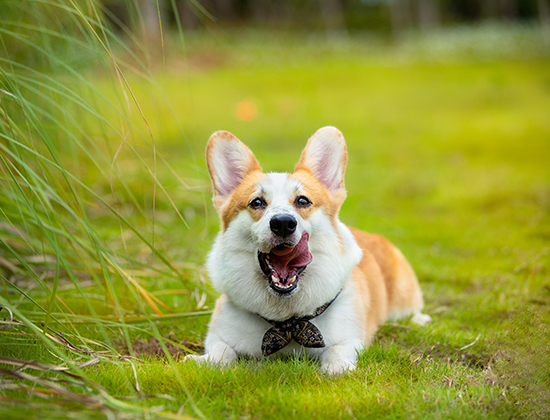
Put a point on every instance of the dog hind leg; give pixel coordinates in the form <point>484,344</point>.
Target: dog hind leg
<point>407,296</point>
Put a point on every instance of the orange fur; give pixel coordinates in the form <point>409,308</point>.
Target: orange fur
<point>320,198</point>
<point>375,280</point>
<point>318,195</point>
<point>229,207</point>
<point>385,280</point>
<point>240,198</point>
<point>304,164</point>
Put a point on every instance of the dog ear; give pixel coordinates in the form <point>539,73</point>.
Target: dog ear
<point>229,161</point>
<point>325,156</point>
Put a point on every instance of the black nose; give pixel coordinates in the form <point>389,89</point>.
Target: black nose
<point>283,225</point>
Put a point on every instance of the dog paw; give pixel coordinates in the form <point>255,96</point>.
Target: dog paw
<point>337,369</point>
<point>198,359</point>
<point>421,319</point>
<point>223,359</point>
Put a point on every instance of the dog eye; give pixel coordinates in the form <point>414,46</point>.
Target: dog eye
<point>302,201</point>
<point>257,203</point>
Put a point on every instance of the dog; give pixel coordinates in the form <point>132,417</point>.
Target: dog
<point>293,278</point>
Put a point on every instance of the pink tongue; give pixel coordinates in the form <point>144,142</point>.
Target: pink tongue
<point>282,251</point>
<point>284,259</point>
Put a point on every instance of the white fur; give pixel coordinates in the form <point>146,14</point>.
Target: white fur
<point>237,326</point>
<point>235,272</point>
<point>233,262</point>
<point>240,331</point>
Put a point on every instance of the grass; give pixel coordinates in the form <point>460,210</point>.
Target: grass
<point>448,158</point>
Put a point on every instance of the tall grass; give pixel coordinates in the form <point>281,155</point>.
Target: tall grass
<point>104,225</point>
<point>71,280</point>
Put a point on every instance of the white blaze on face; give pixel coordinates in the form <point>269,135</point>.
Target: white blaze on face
<point>279,190</point>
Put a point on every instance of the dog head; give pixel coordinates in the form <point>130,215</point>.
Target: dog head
<point>281,219</point>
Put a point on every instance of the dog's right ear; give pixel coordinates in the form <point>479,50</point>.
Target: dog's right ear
<point>229,161</point>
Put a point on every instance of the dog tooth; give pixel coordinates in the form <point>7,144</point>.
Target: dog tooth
<point>292,279</point>
<point>274,279</point>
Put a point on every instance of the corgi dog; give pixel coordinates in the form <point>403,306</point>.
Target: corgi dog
<point>293,278</point>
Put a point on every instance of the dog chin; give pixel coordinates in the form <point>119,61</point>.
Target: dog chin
<point>286,295</point>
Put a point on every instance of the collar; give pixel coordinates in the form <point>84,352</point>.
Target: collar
<point>298,329</point>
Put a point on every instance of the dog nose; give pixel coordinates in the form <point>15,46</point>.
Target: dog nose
<point>283,225</point>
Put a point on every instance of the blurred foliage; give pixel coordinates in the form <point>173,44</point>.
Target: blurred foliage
<point>105,214</point>
<point>381,16</point>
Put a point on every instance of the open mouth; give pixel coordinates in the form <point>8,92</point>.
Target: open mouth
<point>283,265</point>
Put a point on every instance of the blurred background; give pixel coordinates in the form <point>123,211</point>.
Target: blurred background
<point>105,201</point>
<point>342,16</point>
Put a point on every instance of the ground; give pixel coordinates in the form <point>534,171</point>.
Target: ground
<point>448,158</point>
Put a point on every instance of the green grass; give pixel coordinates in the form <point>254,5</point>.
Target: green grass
<point>448,158</point>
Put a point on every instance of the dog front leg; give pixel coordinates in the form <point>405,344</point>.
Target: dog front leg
<point>217,353</point>
<point>341,357</point>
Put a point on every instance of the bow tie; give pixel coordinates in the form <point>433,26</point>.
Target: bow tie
<point>298,329</point>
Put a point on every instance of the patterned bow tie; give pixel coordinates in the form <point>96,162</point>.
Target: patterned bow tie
<point>298,329</point>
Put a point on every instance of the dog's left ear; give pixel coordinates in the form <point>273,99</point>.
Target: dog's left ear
<point>229,161</point>
<point>325,156</point>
